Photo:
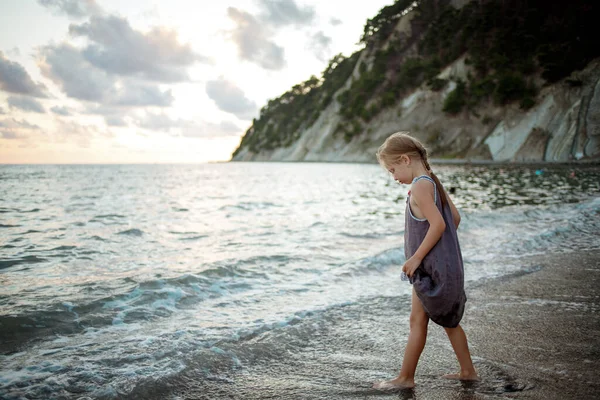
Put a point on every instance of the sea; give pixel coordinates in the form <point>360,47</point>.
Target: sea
<point>115,278</point>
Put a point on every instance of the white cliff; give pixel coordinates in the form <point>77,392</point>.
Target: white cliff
<point>563,125</point>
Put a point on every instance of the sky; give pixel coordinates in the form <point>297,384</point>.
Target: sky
<point>164,81</point>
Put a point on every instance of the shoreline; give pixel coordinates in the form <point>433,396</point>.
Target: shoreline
<point>533,335</point>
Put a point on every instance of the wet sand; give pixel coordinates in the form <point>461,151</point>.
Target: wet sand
<point>533,335</point>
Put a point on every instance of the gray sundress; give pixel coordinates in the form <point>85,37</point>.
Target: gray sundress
<point>439,280</point>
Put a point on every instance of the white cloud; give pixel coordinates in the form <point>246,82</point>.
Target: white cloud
<point>320,45</point>
<point>254,41</point>
<point>15,79</point>
<point>187,128</point>
<point>64,111</point>
<point>25,104</point>
<point>115,120</point>
<point>119,49</point>
<point>11,128</point>
<point>335,21</point>
<point>75,9</point>
<point>74,132</point>
<point>67,68</point>
<point>286,12</point>
<point>230,98</point>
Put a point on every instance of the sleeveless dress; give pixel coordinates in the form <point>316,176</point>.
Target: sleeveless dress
<point>439,280</point>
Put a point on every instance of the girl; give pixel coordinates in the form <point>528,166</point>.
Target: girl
<point>433,259</point>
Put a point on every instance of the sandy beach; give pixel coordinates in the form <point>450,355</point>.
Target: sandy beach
<point>533,335</point>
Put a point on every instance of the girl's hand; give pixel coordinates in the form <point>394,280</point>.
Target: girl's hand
<point>411,265</point>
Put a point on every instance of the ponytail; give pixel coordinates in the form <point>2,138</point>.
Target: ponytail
<point>441,189</point>
<point>423,153</point>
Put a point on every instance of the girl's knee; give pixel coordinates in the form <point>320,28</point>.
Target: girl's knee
<point>449,331</point>
<point>418,320</point>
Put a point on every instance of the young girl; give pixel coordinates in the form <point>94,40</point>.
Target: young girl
<point>433,259</point>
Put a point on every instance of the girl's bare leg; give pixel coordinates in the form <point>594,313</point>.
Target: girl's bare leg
<point>416,342</point>
<point>461,348</point>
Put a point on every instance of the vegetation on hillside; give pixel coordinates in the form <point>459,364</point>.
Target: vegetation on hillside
<point>282,119</point>
<point>508,44</point>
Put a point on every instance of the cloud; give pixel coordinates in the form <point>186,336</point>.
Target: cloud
<point>335,21</point>
<point>108,111</point>
<point>113,115</point>
<point>67,68</point>
<point>119,49</point>
<point>320,45</point>
<point>15,79</point>
<point>230,98</point>
<point>69,131</point>
<point>25,104</point>
<point>119,66</point>
<point>2,112</point>
<point>14,123</point>
<point>11,128</point>
<point>76,9</point>
<point>64,111</point>
<point>187,128</point>
<point>286,12</point>
<point>115,120</point>
<point>140,95</point>
<point>253,35</point>
<point>253,40</point>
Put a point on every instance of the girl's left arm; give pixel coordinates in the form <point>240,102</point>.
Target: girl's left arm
<point>422,194</point>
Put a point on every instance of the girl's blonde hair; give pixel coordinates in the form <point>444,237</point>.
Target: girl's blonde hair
<point>401,143</point>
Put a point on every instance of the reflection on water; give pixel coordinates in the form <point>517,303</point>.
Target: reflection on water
<point>499,186</point>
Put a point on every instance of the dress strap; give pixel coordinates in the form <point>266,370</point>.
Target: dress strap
<point>430,180</point>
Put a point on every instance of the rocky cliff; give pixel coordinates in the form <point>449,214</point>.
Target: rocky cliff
<point>458,102</point>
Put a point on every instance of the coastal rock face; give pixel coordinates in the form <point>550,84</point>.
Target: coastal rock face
<point>591,119</point>
<point>563,125</point>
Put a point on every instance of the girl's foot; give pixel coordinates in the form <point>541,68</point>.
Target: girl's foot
<point>395,384</point>
<point>471,376</point>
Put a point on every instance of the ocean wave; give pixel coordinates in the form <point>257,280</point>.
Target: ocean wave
<point>249,206</point>
<point>131,232</point>
<point>63,248</point>
<point>376,263</point>
<point>109,219</point>
<point>7,263</point>
<point>371,235</point>
<point>31,231</point>
<point>96,237</point>
<point>16,331</point>
<point>527,230</point>
<point>191,238</point>
<point>129,366</point>
<point>190,235</point>
<point>139,302</point>
<point>17,210</point>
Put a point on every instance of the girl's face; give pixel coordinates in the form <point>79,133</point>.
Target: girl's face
<point>401,170</point>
